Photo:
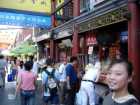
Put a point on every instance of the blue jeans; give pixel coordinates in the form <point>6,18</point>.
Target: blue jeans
<point>2,74</point>
<point>27,97</point>
<point>53,99</point>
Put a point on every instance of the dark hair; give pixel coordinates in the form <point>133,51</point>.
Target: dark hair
<point>49,62</point>
<point>128,65</point>
<point>21,64</point>
<point>129,68</point>
<point>73,59</point>
<point>28,65</point>
<point>1,56</point>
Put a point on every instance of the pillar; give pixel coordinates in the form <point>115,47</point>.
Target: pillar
<point>134,43</point>
<point>75,41</point>
<point>53,21</point>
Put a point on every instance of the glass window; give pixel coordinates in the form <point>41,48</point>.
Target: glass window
<point>84,5</point>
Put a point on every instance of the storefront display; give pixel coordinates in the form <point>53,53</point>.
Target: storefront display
<point>63,48</point>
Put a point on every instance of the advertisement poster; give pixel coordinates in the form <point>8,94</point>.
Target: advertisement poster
<point>39,6</point>
<point>25,20</point>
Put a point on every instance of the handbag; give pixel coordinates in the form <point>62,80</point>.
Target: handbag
<point>10,77</point>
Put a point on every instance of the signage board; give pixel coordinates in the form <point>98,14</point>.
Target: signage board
<point>42,37</point>
<point>91,40</point>
<point>25,20</point>
<point>90,50</point>
<point>62,34</point>
<point>124,36</point>
<point>40,6</point>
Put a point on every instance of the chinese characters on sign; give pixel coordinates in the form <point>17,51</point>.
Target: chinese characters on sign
<point>24,20</point>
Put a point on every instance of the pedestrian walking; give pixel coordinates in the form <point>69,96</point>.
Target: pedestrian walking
<point>20,70</point>
<point>26,85</point>
<point>62,80</point>
<point>15,67</point>
<point>3,65</point>
<point>87,88</point>
<point>119,81</point>
<point>72,81</point>
<point>49,83</point>
<point>35,67</point>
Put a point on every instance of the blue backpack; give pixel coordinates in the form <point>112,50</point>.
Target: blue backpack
<point>51,82</point>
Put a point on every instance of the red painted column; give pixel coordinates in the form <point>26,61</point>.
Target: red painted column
<point>75,41</point>
<point>134,44</point>
<point>53,21</point>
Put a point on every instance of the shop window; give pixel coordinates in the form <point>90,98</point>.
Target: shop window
<point>106,39</point>
<point>84,6</point>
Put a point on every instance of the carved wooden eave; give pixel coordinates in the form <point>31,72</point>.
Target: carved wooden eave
<point>109,13</point>
<point>112,17</point>
<point>108,6</point>
<point>68,26</point>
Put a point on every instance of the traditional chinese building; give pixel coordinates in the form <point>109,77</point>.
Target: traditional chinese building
<point>109,27</point>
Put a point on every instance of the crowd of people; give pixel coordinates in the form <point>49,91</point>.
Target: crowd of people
<point>67,85</point>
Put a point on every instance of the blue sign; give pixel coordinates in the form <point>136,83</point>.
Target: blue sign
<point>124,36</point>
<point>25,20</point>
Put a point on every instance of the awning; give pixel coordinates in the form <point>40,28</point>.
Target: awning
<point>26,48</point>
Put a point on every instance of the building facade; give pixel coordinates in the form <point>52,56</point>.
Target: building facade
<point>97,30</point>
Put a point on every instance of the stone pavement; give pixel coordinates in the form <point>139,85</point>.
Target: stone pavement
<point>7,95</point>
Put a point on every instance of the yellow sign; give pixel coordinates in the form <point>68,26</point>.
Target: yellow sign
<point>58,3</point>
<point>41,6</point>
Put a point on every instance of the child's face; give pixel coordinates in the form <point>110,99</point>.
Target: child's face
<point>118,77</point>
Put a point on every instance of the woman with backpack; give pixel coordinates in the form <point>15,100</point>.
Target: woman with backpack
<point>26,85</point>
<point>49,83</point>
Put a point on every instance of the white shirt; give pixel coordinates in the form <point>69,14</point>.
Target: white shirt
<point>91,73</point>
<point>62,72</point>
<point>35,68</point>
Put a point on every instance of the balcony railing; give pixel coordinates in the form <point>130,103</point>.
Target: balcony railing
<point>64,12</point>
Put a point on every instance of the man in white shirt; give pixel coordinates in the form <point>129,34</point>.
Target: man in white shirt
<point>87,84</point>
<point>62,79</point>
<point>35,67</point>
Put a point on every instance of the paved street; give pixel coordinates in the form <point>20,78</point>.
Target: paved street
<point>7,93</point>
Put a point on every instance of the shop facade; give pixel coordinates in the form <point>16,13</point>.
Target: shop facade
<point>110,31</point>
<point>62,37</point>
<point>104,35</point>
<point>42,41</point>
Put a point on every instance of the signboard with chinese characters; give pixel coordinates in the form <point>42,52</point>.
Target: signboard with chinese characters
<point>124,36</point>
<point>40,6</point>
<point>42,37</point>
<point>24,20</point>
<point>91,40</point>
<point>90,50</point>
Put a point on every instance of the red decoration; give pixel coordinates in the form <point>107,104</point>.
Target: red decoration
<point>91,40</point>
